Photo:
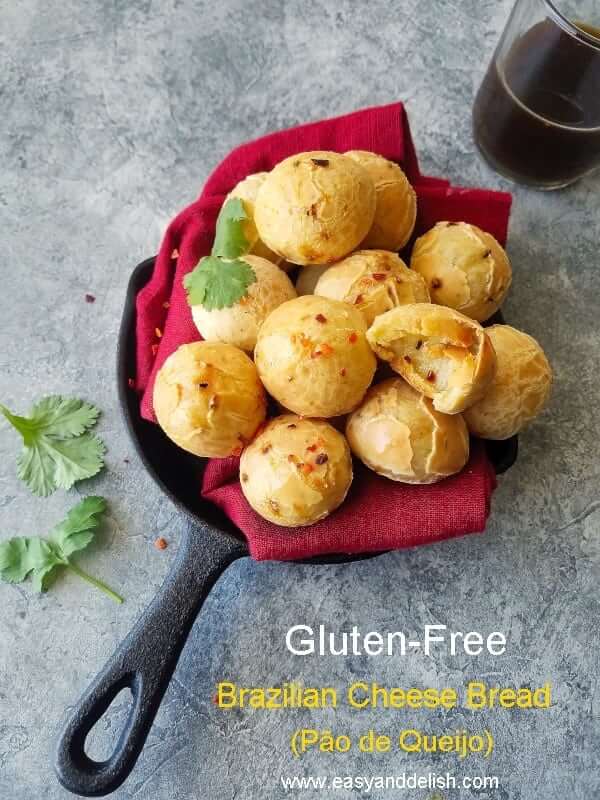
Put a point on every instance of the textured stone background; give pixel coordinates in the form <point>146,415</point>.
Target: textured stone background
<point>113,113</point>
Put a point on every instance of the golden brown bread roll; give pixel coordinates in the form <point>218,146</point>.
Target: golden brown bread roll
<point>315,208</point>
<point>397,433</point>
<point>520,388</point>
<point>396,207</point>
<point>208,399</point>
<point>465,268</point>
<point>441,353</point>
<point>239,324</point>
<point>313,356</point>
<point>246,191</point>
<point>296,471</point>
<point>373,281</point>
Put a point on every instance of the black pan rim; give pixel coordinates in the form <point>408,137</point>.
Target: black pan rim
<point>126,394</point>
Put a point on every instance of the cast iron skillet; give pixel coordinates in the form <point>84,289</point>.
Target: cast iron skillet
<point>146,659</point>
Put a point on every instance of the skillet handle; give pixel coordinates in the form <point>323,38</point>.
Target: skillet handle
<point>144,663</point>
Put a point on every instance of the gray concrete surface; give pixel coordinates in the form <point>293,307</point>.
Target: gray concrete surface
<point>113,113</point>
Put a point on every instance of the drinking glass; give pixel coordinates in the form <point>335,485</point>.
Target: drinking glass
<point>536,117</point>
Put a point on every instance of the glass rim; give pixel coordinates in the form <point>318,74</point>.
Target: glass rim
<point>569,27</point>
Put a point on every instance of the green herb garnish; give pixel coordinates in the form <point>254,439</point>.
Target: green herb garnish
<point>222,279</point>
<point>230,240</point>
<point>57,450</point>
<point>39,558</point>
<point>215,283</point>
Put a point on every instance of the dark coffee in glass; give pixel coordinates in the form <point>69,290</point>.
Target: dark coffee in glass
<point>537,114</point>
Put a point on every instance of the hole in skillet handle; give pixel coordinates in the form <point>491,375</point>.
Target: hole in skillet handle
<point>96,777</point>
<point>102,740</point>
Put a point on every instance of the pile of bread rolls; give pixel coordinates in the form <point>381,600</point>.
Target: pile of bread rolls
<point>314,347</point>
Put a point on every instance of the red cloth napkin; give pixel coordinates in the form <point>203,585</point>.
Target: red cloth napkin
<point>378,514</point>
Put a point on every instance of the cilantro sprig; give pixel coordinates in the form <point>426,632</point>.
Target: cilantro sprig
<point>58,448</point>
<point>218,284</point>
<point>230,239</point>
<point>222,278</point>
<point>39,558</point>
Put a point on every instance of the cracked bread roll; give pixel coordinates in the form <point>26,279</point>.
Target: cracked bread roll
<point>397,433</point>
<point>239,324</point>
<point>246,191</point>
<point>208,399</point>
<point>308,277</point>
<point>315,208</point>
<point>396,206</point>
<point>373,281</point>
<point>296,471</point>
<point>313,356</point>
<point>520,389</point>
<point>465,268</point>
<point>441,353</point>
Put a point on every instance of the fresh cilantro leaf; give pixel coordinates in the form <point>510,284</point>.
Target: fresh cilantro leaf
<point>43,558</point>
<point>216,283</point>
<point>42,579</point>
<point>58,450</point>
<point>36,470</point>
<point>22,424</point>
<point>14,564</point>
<point>64,416</point>
<point>221,279</point>
<point>22,556</point>
<point>75,459</point>
<point>77,530</point>
<point>230,240</point>
<point>36,557</point>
